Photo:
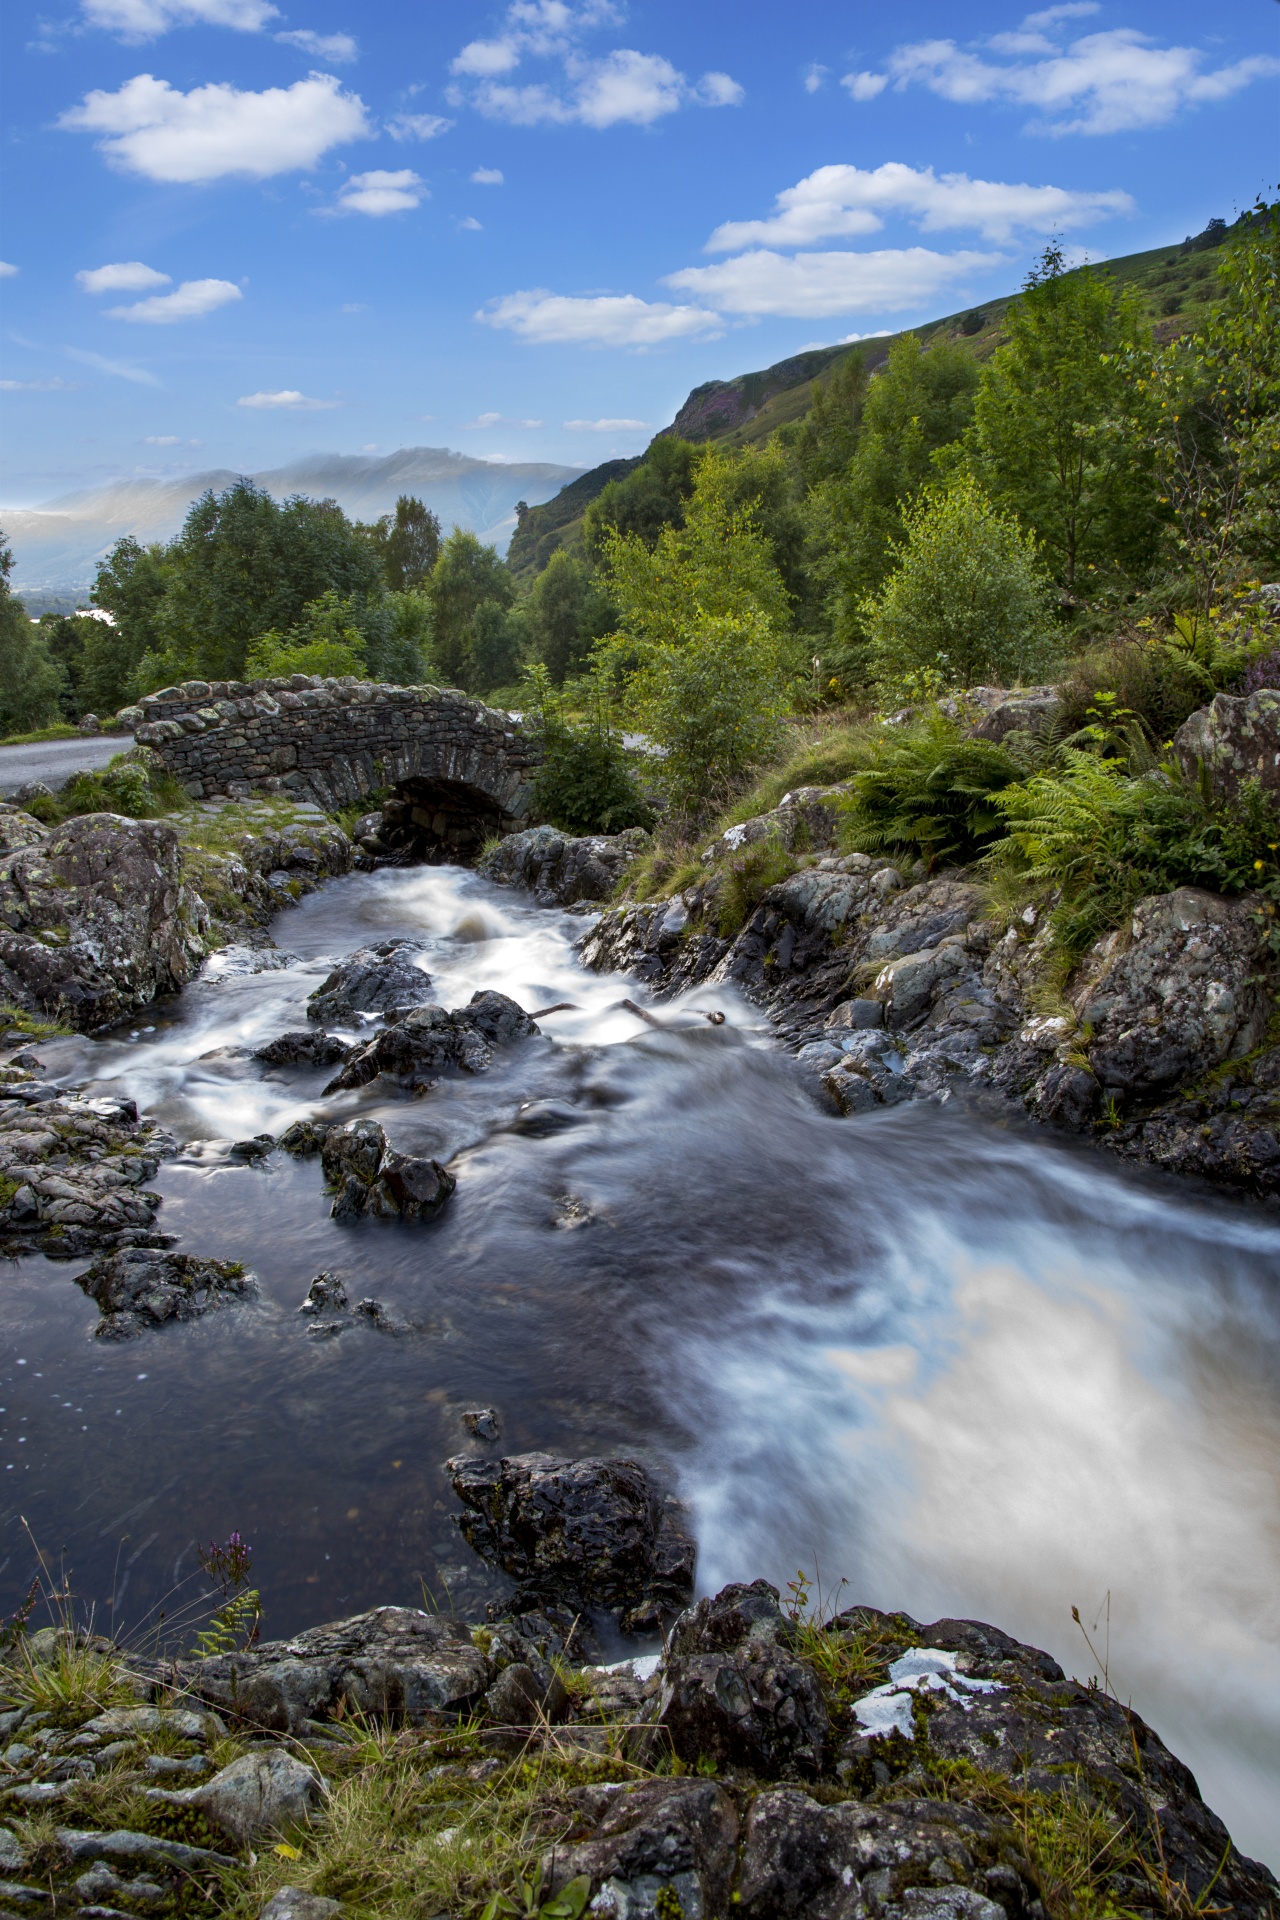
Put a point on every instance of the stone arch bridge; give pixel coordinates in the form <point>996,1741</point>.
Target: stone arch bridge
<point>458,772</point>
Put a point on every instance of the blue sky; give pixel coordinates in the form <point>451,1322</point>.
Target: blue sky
<point>237,232</point>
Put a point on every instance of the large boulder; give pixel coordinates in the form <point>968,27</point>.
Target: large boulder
<point>140,1287</point>
<point>807,820</point>
<point>418,1048</point>
<point>560,869</point>
<point>18,829</point>
<point>1234,739</point>
<point>367,1175</point>
<point>375,979</point>
<point>398,1662</point>
<point>95,922</point>
<point>596,1534</point>
<point>1175,994</point>
<point>650,1835</point>
<point>260,1794</point>
<point>734,1691</point>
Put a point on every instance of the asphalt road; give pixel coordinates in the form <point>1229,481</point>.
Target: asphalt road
<point>56,760</point>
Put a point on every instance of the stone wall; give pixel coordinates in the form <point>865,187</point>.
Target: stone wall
<point>335,741</point>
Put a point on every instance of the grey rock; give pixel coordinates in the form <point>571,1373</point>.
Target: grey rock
<point>303,1138</point>
<point>415,1050</point>
<point>482,1422</point>
<point>144,1723</point>
<point>261,1793</point>
<point>140,1287</point>
<point>733,1689</point>
<point>31,790</point>
<point>12,1855</point>
<point>1234,739</point>
<point>304,1050</point>
<point>674,1834</point>
<point>397,1661</point>
<point>560,869</point>
<point>19,829</point>
<point>375,979</point>
<point>292,1903</point>
<point>520,1697</point>
<point>368,1176</point>
<point>124,1844</point>
<point>857,1014</point>
<point>326,1294</point>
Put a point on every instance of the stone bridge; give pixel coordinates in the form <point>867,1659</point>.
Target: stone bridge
<point>456,772</point>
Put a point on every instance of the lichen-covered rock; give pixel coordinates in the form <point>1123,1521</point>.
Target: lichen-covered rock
<point>255,1796</point>
<point>18,829</point>
<point>804,821</point>
<point>294,1903</point>
<point>395,1661</point>
<point>648,1836</point>
<point>733,1690</point>
<point>589,1533</point>
<point>95,921</point>
<point>140,1287</point>
<point>96,1196</point>
<point>1234,739</point>
<point>375,979</point>
<point>417,1049</point>
<point>558,868</point>
<point>367,1175</point>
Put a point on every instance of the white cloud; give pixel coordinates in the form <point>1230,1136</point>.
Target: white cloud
<point>338,47</point>
<point>418,126</point>
<point>355,306</point>
<point>482,59</point>
<point>607,426</point>
<point>720,90</point>
<point>119,369</point>
<point>7,269</point>
<point>470,225</point>
<point>381,192</point>
<point>191,301</point>
<point>1111,82</point>
<point>840,201</point>
<point>814,76</point>
<point>865,86</point>
<point>602,320</point>
<point>38,386</point>
<point>288,400</point>
<point>484,421</point>
<point>812,285</point>
<point>153,129</point>
<point>121,276</point>
<point>146,19</point>
<point>487,177</point>
<point>636,88</point>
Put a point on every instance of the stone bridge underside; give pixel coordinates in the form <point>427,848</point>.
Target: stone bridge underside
<point>455,771</point>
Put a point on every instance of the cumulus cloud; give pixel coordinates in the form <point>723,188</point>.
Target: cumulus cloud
<point>418,126</point>
<point>121,276</point>
<point>624,87</point>
<point>607,426</point>
<point>147,19</point>
<point>191,301</point>
<point>470,225</point>
<point>338,47</point>
<point>118,369</point>
<point>153,129</point>
<point>287,400</point>
<point>7,269</point>
<point>602,320</point>
<point>865,86</point>
<point>1112,82</point>
<point>487,177</point>
<point>843,200</point>
<point>382,192</point>
<point>813,285</point>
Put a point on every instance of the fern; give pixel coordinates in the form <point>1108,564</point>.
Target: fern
<point>926,788</point>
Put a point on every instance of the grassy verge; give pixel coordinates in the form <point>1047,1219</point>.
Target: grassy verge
<point>63,731</point>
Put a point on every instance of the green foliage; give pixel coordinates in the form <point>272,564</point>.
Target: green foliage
<point>746,877</point>
<point>568,611</point>
<point>531,1900</point>
<point>968,600</point>
<point>231,1626</point>
<point>408,544</point>
<point>585,783</point>
<point>1061,429</point>
<point>326,640</point>
<point>132,784</point>
<point>61,730</point>
<point>647,500</point>
<point>72,1684</point>
<point>825,441</point>
<point>924,788</point>
<point>131,586</point>
<point>1136,676</point>
<point>471,648</point>
<point>31,680</point>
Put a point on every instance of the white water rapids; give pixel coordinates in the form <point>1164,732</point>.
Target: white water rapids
<point>970,1371</point>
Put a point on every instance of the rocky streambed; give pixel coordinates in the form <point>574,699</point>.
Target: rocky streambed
<point>414,1188</point>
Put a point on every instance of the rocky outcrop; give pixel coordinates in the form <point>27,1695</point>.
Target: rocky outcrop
<point>382,979</point>
<point>95,920</point>
<point>734,1690</point>
<point>309,1049</point>
<point>806,820</point>
<point>74,1170</point>
<point>18,829</point>
<point>559,870</point>
<point>1234,739</point>
<point>644,1837</point>
<point>259,1795</point>
<point>416,1050</point>
<point>367,1176</point>
<point>596,1534</point>
<point>141,1287</point>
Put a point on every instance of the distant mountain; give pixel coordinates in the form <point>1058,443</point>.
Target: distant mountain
<point>56,547</point>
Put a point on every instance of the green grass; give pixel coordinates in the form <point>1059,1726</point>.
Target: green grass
<point>30,1023</point>
<point>63,731</point>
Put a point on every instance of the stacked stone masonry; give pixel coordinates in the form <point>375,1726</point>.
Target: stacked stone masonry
<point>336,741</point>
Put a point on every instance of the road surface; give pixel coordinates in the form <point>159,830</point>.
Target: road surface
<point>56,760</point>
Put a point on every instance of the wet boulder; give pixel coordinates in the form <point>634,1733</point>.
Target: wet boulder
<point>558,868</point>
<point>1234,739</point>
<point>304,1050</point>
<point>399,1663</point>
<point>595,1533</point>
<point>416,1050</point>
<point>374,979</point>
<point>95,921</point>
<point>141,1287</point>
<point>367,1175</point>
<point>647,1836</point>
<point>733,1690</point>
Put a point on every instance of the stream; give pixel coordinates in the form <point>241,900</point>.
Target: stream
<point>969,1371</point>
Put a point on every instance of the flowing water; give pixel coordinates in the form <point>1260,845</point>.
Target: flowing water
<point>968,1371</point>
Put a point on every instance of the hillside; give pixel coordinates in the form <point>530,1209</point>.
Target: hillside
<point>57,546</point>
<point>1176,283</point>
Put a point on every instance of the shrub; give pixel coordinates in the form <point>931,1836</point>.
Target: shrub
<point>968,600</point>
<point>585,783</point>
<point>926,789</point>
<point>1149,682</point>
<point>747,877</point>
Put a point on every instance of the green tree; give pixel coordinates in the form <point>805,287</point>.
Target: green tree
<point>825,441</point>
<point>30,678</point>
<point>131,586</point>
<point>568,612</point>
<point>646,501</point>
<point>63,635</point>
<point>398,638</point>
<point>327,641</point>
<point>466,577</point>
<point>408,544</point>
<point>1060,432</point>
<point>968,601</point>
